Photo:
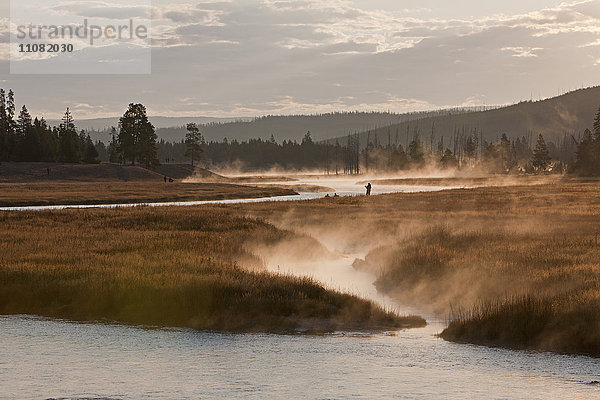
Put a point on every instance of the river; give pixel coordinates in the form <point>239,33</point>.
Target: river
<point>55,359</point>
<point>43,359</point>
<point>341,186</point>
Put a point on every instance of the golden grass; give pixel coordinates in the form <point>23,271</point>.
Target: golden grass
<point>515,266</point>
<point>109,192</point>
<point>166,267</point>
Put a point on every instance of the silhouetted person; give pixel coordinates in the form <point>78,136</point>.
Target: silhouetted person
<point>327,196</point>
<point>336,195</point>
<point>165,179</point>
<point>368,187</point>
<point>48,171</point>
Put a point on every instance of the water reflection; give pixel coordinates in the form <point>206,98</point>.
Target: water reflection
<point>44,359</point>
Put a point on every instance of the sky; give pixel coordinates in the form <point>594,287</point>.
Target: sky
<point>256,57</point>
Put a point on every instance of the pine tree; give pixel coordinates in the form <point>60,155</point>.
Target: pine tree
<point>147,144</point>
<point>24,122</point>
<point>129,134</point>
<point>541,156</point>
<point>69,140</point>
<point>448,160</point>
<point>4,153</point>
<point>416,153</point>
<point>27,141</point>
<point>90,154</point>
<point>8,135</point>
<point>471,148</point>
<point>597,125</point>
<point>307,140</point>
<point>137,137</point>
<point>49,142</point>
<point>588,150</point>
<point>585,163</point>
<point>113,147</point>
<point>398,159</point>
<point>193,141</point>
<point>506,152</point>
<point>10,111</point>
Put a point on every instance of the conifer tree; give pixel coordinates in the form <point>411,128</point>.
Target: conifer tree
<point>69,141</point>
<point>113,147</point>
<point>27,141</point>
<point>4,153</point>
<point>24,121</point>
<point>448,160</point>
<point>90,154</point>
<point>506,152</point>
<point>193,141</point>
<point>137,137</point>
<point>416,153</point>
<point>597,125</point>
<point>8,135</point>
<point>541,156</point>
<point>307,140</point>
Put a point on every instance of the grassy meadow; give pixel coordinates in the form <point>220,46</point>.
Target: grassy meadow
<point>515,266</point>
<point>118,192</point>
<point>41,184</point>
<point>184,267</point>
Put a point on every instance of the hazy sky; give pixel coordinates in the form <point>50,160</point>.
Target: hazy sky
<point>253,57</point>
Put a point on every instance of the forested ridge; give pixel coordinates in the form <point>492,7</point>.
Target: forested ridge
<point>135,140</point>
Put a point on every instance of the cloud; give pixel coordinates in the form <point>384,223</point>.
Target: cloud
<point>591,44</point>
<point>254,57</point>
<point>522,51</point>
<point>101,9</point>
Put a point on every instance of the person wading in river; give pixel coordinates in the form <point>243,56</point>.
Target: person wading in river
<point>368,187</point>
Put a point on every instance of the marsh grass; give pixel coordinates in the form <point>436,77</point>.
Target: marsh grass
<point>111,192</point>
<point>566,324</point>
<point>534,290</point>
<point>521,263</point>
<point>165,267</point>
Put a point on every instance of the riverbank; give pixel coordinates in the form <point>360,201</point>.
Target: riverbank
<point>178,267</point>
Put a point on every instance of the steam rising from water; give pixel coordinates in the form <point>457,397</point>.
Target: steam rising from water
<point>337,274</point>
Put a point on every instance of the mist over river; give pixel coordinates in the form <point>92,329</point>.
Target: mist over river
<point>55,359</point>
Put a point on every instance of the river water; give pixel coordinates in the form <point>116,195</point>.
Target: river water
<point>342,186</point>
<point>43,359</point>
<point>54,359</point>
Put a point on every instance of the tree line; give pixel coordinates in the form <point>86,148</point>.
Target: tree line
<point>503,156</point>
<point>588,151</point>
<point>464,151</point>
<point>23,138</point>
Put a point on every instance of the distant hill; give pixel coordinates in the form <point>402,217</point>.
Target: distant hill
<point>569,114</point>
<point>103,124</point>
<point>38,171</point>
<point>294,127</point>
